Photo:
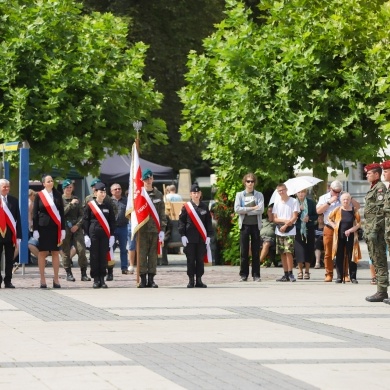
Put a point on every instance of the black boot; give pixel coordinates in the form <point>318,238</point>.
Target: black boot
<point>84,276</point>
<point>96,282</point>
<point>191,282</point>
<point>110,275</point>
<point>102,282</point>
<point>199,282</point>
<point>142,283</point>
<point>69,275</point>
<point>151,281</point>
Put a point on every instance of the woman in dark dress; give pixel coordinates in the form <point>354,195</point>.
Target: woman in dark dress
<point>346,223</point>
<point>305,237</point>
<point>48,227</point>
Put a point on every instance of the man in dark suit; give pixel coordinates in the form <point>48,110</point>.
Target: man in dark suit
<point>10,230</point>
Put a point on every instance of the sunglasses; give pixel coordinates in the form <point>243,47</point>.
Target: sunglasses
<point>337,192</point>
<point>250,181</point>
<point>116,189</point>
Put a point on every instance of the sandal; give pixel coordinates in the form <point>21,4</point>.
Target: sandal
<point>307,275</point>
<point>300,275</point>
<point>374,281</point>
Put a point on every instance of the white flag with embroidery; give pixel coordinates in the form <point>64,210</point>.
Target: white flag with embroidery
<point>137,207</point>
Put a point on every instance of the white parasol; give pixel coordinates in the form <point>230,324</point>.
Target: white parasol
<point>295,185</point>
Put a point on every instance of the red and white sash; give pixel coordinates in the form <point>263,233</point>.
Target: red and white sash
<point>10,222</point>
<point>201,229</point>
<point>156,218</point>
<point>52,211</point>
<point>104,224</point>
<point>7,219</point>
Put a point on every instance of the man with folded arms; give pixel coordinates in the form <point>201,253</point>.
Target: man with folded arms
<point>374,228</point>
<point>326,204</point>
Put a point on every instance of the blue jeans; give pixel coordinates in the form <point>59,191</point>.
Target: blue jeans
<point>121,237</point>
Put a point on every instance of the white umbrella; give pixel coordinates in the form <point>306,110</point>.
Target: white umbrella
<point>295,185</point>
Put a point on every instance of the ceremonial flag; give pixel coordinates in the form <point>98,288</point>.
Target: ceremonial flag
<point>137,209</point>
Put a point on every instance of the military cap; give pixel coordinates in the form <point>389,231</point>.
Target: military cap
<point>370,167</point>
<point>95,181</point>
<point>195,188</point>
<point>146,174</point>
<point>100,186</point>
<point>386,164</point>
<point>66,183</point>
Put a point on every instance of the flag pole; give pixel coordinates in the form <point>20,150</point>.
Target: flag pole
<point>137,127</point>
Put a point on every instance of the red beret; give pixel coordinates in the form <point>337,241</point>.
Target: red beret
<point>386,164</point>
<point>369,167</point>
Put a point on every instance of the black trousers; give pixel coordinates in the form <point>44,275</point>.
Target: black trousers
<point>252,233</point>
<point>9,251</point>
<point>98,250</point>
<point>195,254</point>
<point>344,248</point>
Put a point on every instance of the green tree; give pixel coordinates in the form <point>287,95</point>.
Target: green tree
<point>71,85</point>
<point>299,84</point>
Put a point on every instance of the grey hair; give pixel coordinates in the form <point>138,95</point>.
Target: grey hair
<point>4,181</point>
<point>336,185</point>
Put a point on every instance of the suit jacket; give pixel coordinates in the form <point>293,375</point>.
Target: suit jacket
<point>13,206</point>
<point>40,215</point>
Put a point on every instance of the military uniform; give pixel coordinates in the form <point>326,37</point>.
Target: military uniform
<point>148,236</point>
<point>196,247</point>
<point>74,217</point>
<point>374,232</point>
<point>107,200</point>
<point>99,239</point>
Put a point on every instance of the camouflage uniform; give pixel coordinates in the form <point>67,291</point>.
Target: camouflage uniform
<point>148,236</point>
<point>73,216</point>
<point>374,232</point>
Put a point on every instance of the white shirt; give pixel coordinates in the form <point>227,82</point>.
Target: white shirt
<point>324,199</point>
<point>285,210</point>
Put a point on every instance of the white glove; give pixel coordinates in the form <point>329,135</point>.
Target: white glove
<point>207,240</point>
<point>36,235</point>
<point>184,240</point>
<point>87,241</point>
<point>161,236</point>
<point>63,235</point>
<point>111,242</point>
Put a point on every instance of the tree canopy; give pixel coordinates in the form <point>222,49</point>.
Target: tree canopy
<point>71,85</point>
<point>301,83</point>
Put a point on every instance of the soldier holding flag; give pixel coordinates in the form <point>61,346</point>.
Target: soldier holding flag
<point>146,206</point>
<point>152,233</point>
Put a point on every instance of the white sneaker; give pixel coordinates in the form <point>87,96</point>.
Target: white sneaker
<point>131,269</point>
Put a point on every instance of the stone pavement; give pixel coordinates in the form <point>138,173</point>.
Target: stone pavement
<point>232,335</point>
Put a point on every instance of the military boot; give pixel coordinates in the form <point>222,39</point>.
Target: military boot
<point>191,282</point>
<point>142,283</point>
<point>69,275</point>
<point>199,282</point>
<point>102,282</point>
<point>96,282</point>
<point>377,297</point>
<point>110,274</point>
<point>84,276</point>
<point>151,281</point>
